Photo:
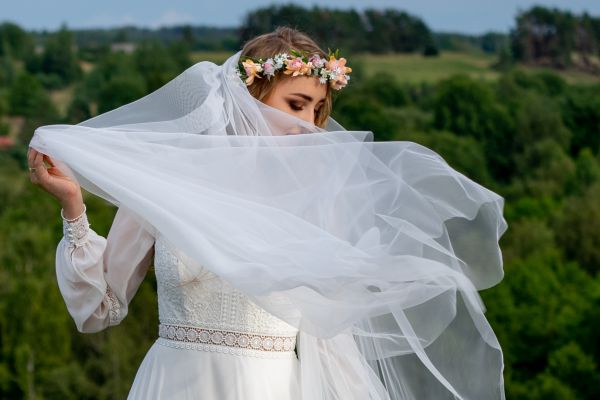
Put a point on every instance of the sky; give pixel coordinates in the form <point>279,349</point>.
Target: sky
<point>465,16</point>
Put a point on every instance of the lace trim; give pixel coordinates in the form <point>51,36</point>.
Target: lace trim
<point>225,349</point>
<point>244,340</point>
<point>251,328</point>
<point>114,314</point>
<point>76,230</point>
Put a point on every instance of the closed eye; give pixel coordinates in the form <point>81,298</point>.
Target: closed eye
<point>295,107</point>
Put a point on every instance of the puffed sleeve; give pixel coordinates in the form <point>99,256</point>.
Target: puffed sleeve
<point>99,276</point>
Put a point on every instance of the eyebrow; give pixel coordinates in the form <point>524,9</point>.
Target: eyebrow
<point>306,97</point>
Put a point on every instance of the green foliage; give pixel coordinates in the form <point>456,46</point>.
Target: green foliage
<point>8,70</point>
<point>551,36</point>
<point>114,66</point>
<point>571,365</point>
<point>581,115</point>
<point>365,114</point>
<point>14,41</point>
<point>41,353</point>
<point>464,106</point>
<point>58,65</point>
<point>119,91</point>
<point>79,110</point>
<point>544,169</point>
<point>529,207</point>
<point>28,98</point>
<point>587,170</point>
<point>462,153</point>
<point>386,89</point>
<point>372,30</point>
<point>467,107</point>
<point>528,236</point>
<point>578,228</point>
<point>155,64</point>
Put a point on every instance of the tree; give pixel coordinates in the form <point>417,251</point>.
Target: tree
<point>155,64</point>
<point>577,228</point>
<point>468,108</point>
<point>581,114</point>
<point>60,56</point>
<point>28,98</point>
<point>15,41</point>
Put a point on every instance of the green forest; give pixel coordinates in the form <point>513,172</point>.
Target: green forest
<point>518,112</point>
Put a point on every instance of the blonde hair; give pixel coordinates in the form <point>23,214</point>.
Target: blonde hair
<point>282,39</point>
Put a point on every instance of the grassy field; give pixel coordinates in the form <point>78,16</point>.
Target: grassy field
<point>414,68</point>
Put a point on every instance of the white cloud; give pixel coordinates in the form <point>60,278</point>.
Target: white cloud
<point>106,21</point>
<point>172,17</point>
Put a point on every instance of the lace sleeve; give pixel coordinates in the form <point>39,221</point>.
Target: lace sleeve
<point>76,230</point>
<point>99,276</point>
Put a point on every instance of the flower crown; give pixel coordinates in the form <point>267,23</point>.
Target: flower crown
<point>333,70</point>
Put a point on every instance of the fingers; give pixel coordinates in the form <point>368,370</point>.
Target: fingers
<point>30,155</point>
<point>35,159</point>
<point>40,174</point>
<point>49,160</point>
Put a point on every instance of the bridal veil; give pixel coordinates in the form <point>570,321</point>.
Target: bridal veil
<point>376,251</point>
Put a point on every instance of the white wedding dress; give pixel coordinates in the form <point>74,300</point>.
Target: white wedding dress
<point>213,342</point>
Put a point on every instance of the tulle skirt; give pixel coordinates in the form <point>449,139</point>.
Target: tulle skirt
<point>179,373</point>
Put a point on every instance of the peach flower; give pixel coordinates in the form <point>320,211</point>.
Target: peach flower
<point>337,66</point>
<point>340,82</point>
<point>297,67</point>
<point>252,70</point>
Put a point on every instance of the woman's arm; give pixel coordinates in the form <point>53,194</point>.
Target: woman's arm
<point>99,276</point>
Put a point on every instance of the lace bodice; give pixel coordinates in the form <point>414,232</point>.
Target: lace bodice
<point>208,301</point>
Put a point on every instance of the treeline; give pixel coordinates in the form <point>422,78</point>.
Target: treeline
<point>28,77</point>
<point>557,38</point>
<point>373,30</point>
<point>199,38</point>
<point>546,36</point>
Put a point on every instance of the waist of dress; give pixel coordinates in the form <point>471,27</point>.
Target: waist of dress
<point>242,343</point>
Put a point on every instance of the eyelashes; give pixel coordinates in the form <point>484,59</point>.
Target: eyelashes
<point>295,107</point>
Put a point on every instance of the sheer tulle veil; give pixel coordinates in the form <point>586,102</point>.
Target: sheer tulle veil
<point>376,251</point>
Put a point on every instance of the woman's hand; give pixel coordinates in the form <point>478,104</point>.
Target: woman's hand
<point>65,189</point>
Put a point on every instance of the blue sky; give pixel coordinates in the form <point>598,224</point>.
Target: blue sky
<point>468,16</point>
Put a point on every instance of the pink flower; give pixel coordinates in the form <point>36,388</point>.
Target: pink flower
<point>269,67</point>
<point>316,61</point>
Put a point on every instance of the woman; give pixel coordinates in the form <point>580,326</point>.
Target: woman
<point>312,266</point>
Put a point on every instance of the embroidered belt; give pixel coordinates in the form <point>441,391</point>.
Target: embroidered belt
<point>243,340</point>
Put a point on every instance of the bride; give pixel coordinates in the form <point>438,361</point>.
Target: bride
<point>294,259</point>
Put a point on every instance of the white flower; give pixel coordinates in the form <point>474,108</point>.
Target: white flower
<point>323,80</point>
<point>279,59</point>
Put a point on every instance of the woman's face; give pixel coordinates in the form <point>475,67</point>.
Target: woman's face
<point>301,96</point>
